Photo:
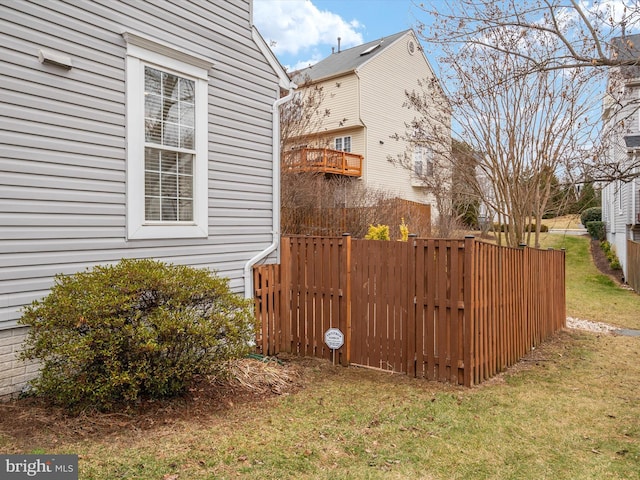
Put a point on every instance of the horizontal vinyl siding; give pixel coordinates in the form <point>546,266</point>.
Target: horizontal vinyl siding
<point>340,98</point>
<point>63,137</point>
<point>357,139</point>
<point>384,80</point>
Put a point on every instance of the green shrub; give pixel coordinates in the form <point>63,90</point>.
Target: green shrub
<point>593,214</point>
<point>610,252</point>
<point>378,232</point>
<point>543,228</point>
<point>139,328</point>
<point>596,230</point>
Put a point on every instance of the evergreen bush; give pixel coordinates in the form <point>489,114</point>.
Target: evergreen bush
<point>140,328</point>
<point>596,230</point>
<point>593,214</point>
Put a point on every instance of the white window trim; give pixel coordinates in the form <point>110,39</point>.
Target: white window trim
<point>141,51</point>
<point>342,140</point>
<point>426,160</point>
<point>619,185</point>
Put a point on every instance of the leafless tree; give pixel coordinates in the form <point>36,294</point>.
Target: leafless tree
<point>581,32</point>
<point>301,118</point>
<point>428,152</point>
<point>525,123</point>
<point>593,36</point>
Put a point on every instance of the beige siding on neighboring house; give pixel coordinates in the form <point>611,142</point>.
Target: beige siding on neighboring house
<point>365,95</point>
<point>383,82</point>
<point>357,135</point>
<point>341,98</point>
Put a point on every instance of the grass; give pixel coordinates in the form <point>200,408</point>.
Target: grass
<point>568,411</point>
<point>568,222</point>
<point>590,294</point>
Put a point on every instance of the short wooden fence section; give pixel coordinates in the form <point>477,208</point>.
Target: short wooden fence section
<point>456,311</point>
<point>633,265</point>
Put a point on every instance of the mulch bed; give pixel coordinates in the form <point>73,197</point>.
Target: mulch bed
<point>602,264</point>
<point>27,422</point>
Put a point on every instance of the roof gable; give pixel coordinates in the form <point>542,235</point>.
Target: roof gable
<point>627,48</point>
<point>348,60</point>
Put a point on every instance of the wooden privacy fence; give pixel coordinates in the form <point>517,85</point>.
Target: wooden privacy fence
<point>456,311</point>
<point>633,265</point>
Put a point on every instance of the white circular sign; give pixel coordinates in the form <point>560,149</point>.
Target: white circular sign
<point>334,338</point>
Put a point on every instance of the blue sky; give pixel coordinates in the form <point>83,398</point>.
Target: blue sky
<point>302,32</point>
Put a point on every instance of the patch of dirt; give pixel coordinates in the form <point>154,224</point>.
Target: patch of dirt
<point>30,421</point>
<point>602,263</point>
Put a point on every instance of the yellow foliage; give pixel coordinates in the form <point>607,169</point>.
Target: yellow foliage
<point>378,232</point>
<point>404,231</point>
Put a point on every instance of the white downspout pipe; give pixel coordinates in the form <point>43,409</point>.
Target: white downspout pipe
<point>248,268</point>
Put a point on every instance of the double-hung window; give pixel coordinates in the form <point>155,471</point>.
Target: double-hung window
<point>343,144</point>
<point>166,140</point>
<point>422,161</point>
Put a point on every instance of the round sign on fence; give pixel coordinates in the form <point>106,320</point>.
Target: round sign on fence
<point>334,338</point>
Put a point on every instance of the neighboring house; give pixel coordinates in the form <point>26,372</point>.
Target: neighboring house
<point>621,198</point>
<point>364,92</point>
<point>132,129</point>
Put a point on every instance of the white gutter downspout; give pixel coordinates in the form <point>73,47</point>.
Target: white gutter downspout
<point>248,268</point>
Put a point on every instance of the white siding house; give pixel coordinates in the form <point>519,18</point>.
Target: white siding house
<point>131,129</point>
<point>621,198</point>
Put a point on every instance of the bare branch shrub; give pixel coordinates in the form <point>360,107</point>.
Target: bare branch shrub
<point>313,204</point>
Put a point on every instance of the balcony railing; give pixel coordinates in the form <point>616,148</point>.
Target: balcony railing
<point>324,160</point>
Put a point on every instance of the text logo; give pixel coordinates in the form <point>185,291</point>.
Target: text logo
<point>49,467</point>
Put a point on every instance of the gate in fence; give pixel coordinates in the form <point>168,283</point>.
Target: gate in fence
<point>456,311</point>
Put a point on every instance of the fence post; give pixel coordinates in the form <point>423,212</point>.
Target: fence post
<point>412,287</point>
<point>282,332</point>
<point>469,311</point>
<point>347,296</point>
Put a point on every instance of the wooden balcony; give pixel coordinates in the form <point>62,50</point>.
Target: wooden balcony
<point>324,160</point>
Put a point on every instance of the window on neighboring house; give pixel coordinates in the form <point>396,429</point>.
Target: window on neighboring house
<point>343,144</point>
<point>167,142</point>
<point>619,193</point>
<point>422,161</point>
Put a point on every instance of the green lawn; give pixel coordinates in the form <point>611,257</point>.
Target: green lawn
<point>590,294</point>
<point>569,411</point>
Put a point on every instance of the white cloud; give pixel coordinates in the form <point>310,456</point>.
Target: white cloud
<point>295,27</point>
<point>612,11</point>
<point>300,64</point>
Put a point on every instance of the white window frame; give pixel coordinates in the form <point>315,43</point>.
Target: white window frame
<point>144,51</point>
<point>619,185</point>
<point>423,156</point>
<point>342,143</point>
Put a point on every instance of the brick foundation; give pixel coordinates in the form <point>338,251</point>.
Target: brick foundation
<point>14,373</point>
